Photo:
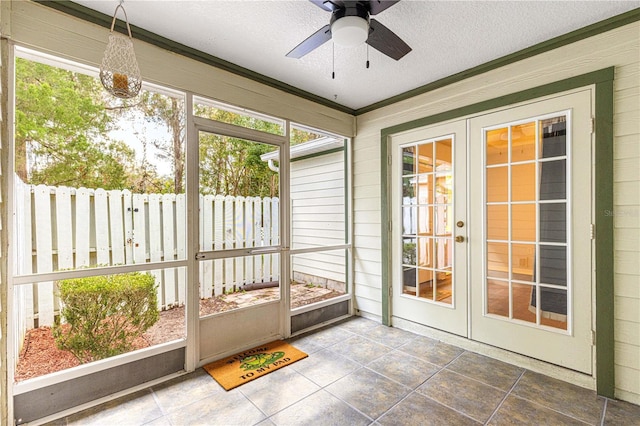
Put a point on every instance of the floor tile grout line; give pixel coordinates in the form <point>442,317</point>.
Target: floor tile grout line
<point>505,397</point>
<point>451,408</point>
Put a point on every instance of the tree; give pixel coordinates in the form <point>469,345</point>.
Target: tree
<point>61,130</point>
<point>169,112</point>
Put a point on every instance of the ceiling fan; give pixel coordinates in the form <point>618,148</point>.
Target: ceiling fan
<point>351,25</point>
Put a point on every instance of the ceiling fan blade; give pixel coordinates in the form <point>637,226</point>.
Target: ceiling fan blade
<point>314,41</point>
<point>386,41</point>
<point>328,5</point>
<point>377,6</point>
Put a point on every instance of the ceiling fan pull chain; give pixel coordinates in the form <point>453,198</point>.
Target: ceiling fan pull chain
<point>333,61</point>
<point>367,56</point>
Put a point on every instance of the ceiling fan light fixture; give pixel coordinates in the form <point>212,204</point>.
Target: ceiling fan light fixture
<point>350,31</point>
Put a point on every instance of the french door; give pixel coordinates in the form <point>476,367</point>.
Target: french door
<point>530,236</point>
<point>496,246</point>
<point>429,222</point>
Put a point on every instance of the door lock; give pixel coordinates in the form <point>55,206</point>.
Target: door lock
<point>459,239</point>
<point>460,224</point>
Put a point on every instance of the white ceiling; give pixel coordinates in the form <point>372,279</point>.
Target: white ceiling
<point>446,37</point>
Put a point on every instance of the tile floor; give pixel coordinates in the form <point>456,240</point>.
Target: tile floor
<point>361,373</point>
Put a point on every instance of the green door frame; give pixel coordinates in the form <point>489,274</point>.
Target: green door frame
<point>603,82</point>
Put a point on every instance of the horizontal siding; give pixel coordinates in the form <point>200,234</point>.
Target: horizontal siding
<point>619,48</point>
<point>318,214</point>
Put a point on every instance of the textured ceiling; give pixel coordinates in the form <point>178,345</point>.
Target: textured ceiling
<point>447,37</point>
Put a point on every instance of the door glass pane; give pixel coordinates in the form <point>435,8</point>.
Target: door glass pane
<point>497,184</point>
<point>426,257</point>
<point>443,155</point>
<point>523,182</point>
<point>554,137</point>
<point>409,281</point>
<point>498,297</point>
<point>409,220</point>
<point>409,191</point>
<point>523,295</point>
<point>409,251</point>
<point>425,219</point>
<point>553,307</point>
<point>497,222</point>
<point>443,190</point>
<point>444,219</point>
<point>497,146</point>
<point>498,260</point>
<point>553,265</point>
<point>425,157</point>
<point>425,189</point>
<point>553,222</point>
<point>526,227</point>
<point>553,180</point>
<point>408,160</point>
<point>522,262</point>
<point>523,223</point>
<point>523,145</point>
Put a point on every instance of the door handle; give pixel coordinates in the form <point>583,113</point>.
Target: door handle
<point>459,239</point>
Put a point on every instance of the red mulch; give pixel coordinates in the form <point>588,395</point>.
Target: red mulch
<point>40,356</point>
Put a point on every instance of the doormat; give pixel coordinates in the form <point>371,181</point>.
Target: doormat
<point>245,366</point>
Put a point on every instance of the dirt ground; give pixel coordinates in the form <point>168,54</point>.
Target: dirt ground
<point>40,356</point>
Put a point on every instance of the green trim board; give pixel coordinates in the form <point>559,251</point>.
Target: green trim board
<point>554,43</point>
<point>103,20</point>
<point>603,81</point>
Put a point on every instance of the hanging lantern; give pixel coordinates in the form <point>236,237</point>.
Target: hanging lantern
<point>119,70</point>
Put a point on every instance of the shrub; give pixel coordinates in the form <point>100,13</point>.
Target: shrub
<point>105,314</point>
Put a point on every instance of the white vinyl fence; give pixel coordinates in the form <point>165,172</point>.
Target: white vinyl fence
<point>60,228</point>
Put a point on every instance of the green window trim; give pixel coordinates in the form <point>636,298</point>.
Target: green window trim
<point>603,81</point>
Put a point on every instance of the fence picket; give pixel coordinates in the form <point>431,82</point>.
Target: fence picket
<point>83,227</point>
<point>23,294</point>
<point>229,235</point>
<point>168,236</point>
<point>44,254</point>
<point>116,227</point>
<point>239,238</point>
<point>266,215</point>
<point>218,244</point>
<point>64,228</point>
<point>181,240</point>
<point>127,208</point>
<point>249,238</point>
<point>275,238</point>
<point>155,243</point>
<point>139,228</point>
<point>102,227</point>
<point>207,244</point>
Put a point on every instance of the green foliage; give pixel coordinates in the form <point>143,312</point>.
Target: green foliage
<point>105,314</point>
<point>61,127</point>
